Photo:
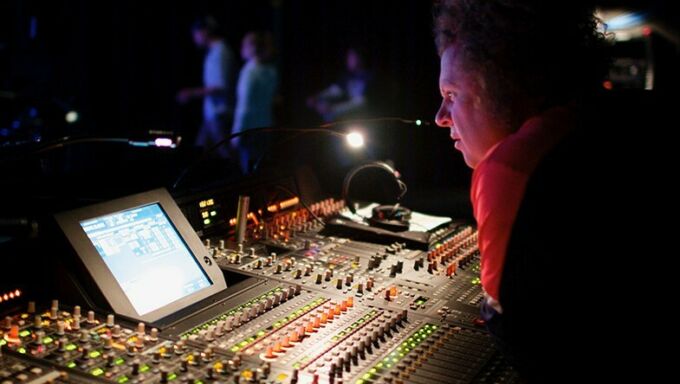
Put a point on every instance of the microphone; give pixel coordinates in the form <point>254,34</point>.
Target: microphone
<point>354,139</point>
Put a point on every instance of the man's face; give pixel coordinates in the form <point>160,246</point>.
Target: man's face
<point>200,37</point>
<point>464,110</point>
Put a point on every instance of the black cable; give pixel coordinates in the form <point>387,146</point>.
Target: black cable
<point>68,141</point>
<point>326,128</point>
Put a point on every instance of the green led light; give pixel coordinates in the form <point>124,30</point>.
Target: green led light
<point>71,364</point>
<point>213,213</point>
<point>95,354</point>
<point>123,379</point>
<point>418,122</point>
<point>144,368</point>
<point>22,350</point>
<point>172,376</point>
<point>97,372</point>
<point>206,221</point>
<point>119,361</point>
<point>3,342</point>
<point>24,333</point>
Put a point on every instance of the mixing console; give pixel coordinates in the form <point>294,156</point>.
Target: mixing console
<point>311,308</point>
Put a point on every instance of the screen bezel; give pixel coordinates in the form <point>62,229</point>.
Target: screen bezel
<point>100,272</point>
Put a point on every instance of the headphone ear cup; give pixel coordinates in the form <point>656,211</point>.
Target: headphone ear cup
<point>390,218</point>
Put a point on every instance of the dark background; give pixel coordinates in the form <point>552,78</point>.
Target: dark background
<point>121,63</point>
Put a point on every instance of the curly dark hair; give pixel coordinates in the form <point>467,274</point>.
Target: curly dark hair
<point>525,49</point>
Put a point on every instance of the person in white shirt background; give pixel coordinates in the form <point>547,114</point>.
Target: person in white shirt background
<point>217,91</point>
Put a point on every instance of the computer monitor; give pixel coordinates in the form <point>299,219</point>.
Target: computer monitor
<point>143,255</point>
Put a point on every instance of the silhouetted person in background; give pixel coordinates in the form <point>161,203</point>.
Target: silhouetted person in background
<point>257,84</point>
<point>217,92</point>
<point>348,97</point>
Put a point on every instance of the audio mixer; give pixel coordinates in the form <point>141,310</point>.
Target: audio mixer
<point>291,303</point>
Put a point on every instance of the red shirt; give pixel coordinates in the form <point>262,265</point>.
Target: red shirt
<point>499,182</point>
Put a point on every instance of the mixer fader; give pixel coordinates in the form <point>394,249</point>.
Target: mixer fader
<point>292,303</point>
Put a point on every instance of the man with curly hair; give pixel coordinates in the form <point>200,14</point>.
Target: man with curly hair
<point>516,79</point>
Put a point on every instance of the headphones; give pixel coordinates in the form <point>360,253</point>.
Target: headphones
<point>391,217</point>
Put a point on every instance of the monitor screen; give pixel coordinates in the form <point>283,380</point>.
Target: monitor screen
<point>146,256</point>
